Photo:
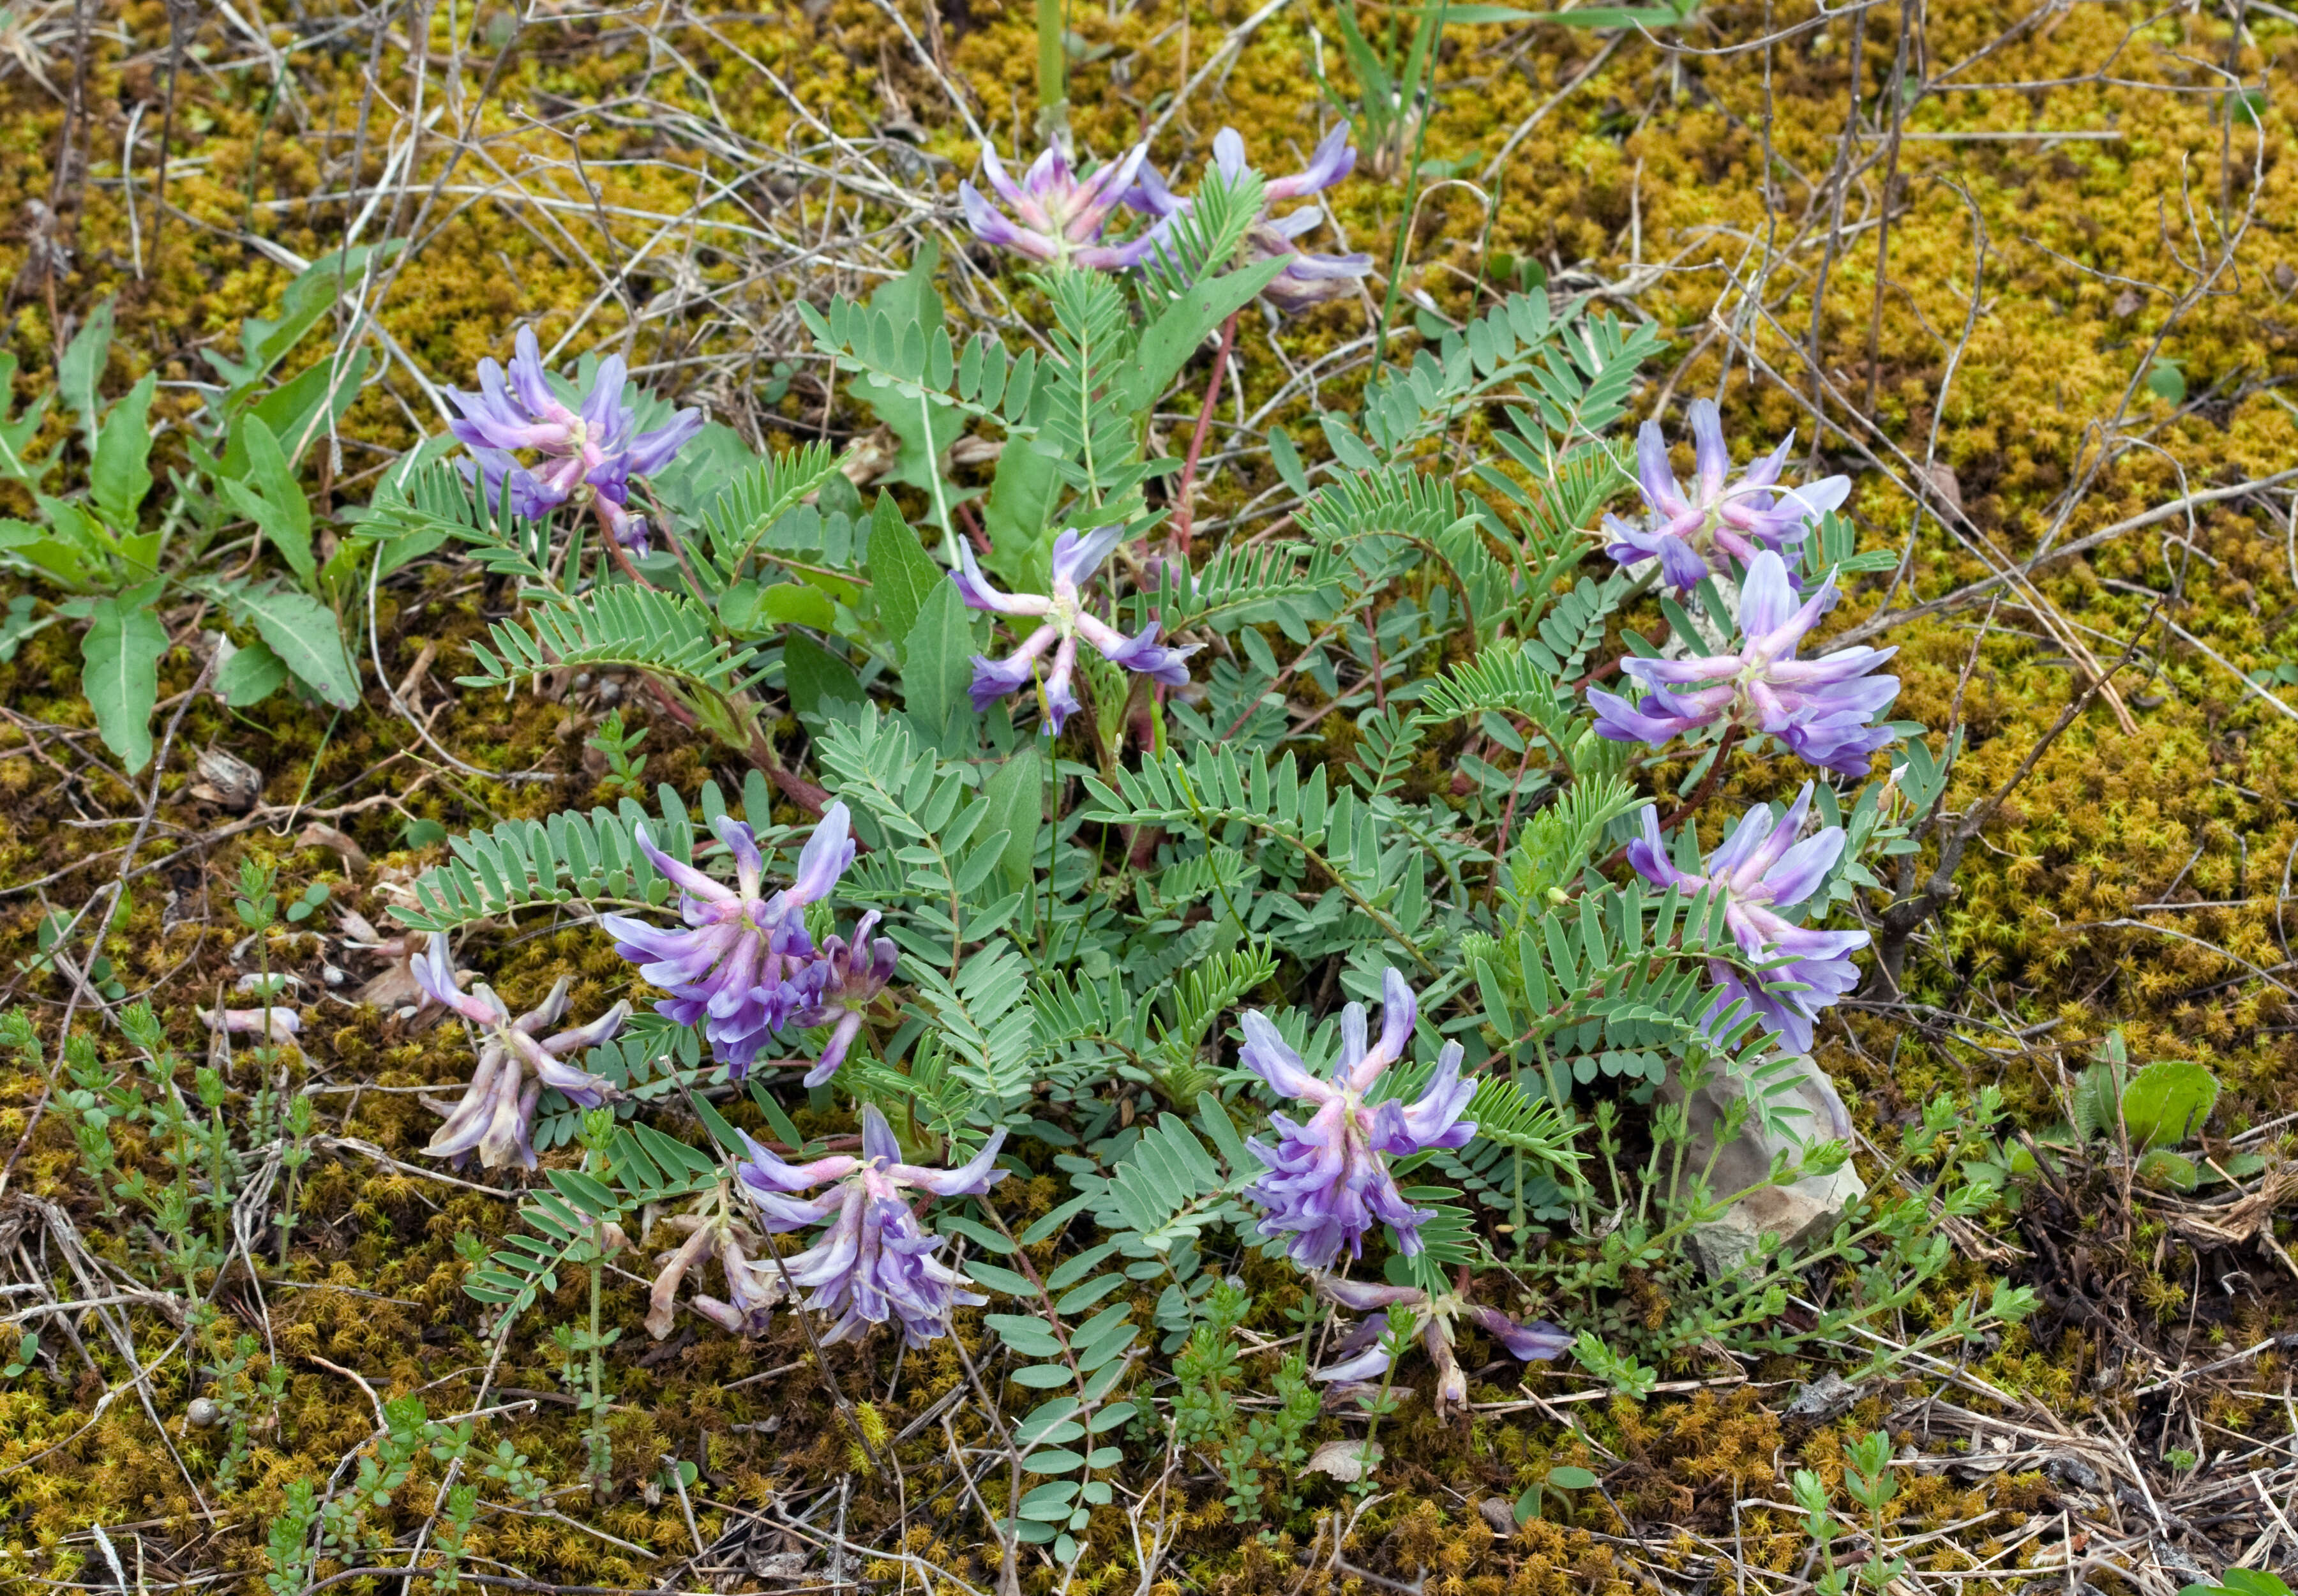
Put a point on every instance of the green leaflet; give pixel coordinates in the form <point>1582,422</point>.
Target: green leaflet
<point>120,670</point>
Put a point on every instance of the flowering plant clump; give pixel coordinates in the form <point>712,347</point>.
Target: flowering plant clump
<point>1762,869</point>
<point>496,1116</point>
<point>586,454</point>
<point>1689,533</point>
<point>1077,555</point>
<point>1823,709</point>
<point>874,1262</point>
<point>1328,1181</point>
<point>1061,213</point>
<point>1362,1357</point>
<point>1308,279</point>
<point>730,970</point>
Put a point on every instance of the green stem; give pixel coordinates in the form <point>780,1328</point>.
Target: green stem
<point>1412,192</point>
<point>1053,75</point>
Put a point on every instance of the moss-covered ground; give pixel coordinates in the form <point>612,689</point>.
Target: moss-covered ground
<point>2041,288</point>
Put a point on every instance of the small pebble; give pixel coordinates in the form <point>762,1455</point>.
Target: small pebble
<point>1499,1514</point>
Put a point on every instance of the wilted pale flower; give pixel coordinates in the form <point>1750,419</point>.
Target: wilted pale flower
<point>1760,869</point>
<point>729,970</point>
<point>1076,556</point>
<point>586,456</point>
<point>1821,708</point>
<point>752,1289</point>
<point>1686,532</point>
<point>497,1113</point>
<point>874,1262</point>
<point>838,987</point>
<point>1328,1181</point>
<point>1062,213</point>
<point>275,1024</point>
<point>1308,279</point>
<point>1363,1358</point>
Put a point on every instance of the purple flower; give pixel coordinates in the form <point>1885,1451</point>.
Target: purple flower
<point>729,969</point>
<point>1821,708</point>
<point>874,1262</point>
<point>1363,1359</point>
<point>585,456</point>
<point>1076,556</point>
<point>497,1113</point>
<point>274,1024</point>
<point>1327,1180</point>
<point>1062,213</point>
<point>838,987</point>
<point>1307,279</point>
<point>752,1289</point>
<point>1760,869</point>
<point>1687,534</point>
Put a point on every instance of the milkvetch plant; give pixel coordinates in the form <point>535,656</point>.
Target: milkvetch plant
<point>1114,906</point>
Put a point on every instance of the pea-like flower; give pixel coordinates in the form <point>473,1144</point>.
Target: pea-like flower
<point>752,1288</point>
<point>584,456</point>
<point>874,1262</point>
<point>1065,619</point>
<point>1308,279</point>
<point>729,970</point>
<point>1689,532</point>
<point>496,1116</point>
<point>1823,709</point>
<point>1762,869</point>
<point>1328,1181</point>
<point>837,988</point>
<point>1363,1358</point>
<point>1061,212</point>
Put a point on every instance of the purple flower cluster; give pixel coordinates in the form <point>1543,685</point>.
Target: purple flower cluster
<point>1824,709</point>
<point>874,1262</point>
<point>837,988</point>
<point>1061,212</point>
<point>585,455</point>
<point>496,1116</point>
<point>1064,620</point>
<point>1688,532</point>
<point>1058,214</point>
<point>737,967</point>
<point>1328,1181</point>
<point>1307,279</point>
<point>1761,869</point>
<point>1363,1359</point>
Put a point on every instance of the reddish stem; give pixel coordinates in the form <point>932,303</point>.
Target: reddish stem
<point>1197,440</point>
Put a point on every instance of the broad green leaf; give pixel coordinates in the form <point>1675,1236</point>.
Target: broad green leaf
<point>81,369</point>
<point>938,658</point>
<point>798,603</point>
<point>251,676</point>
<point>1184,324</point>
<point>303,633</point>
<point>297,410</point>
<point>1015,793</point>
<point>812,674</point>
<point>120,670</point>
<point>1018,514</point>
<point>901,573</point>
<point>272,497</point>
<point>120,475</point>
<point>2166,1103</point>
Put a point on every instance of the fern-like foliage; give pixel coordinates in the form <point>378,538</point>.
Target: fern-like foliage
<point>1173,1182</point>
<point>523,864</point>
<point>641,628</point>
<point>747,508</point>
<point>1203,238</point>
